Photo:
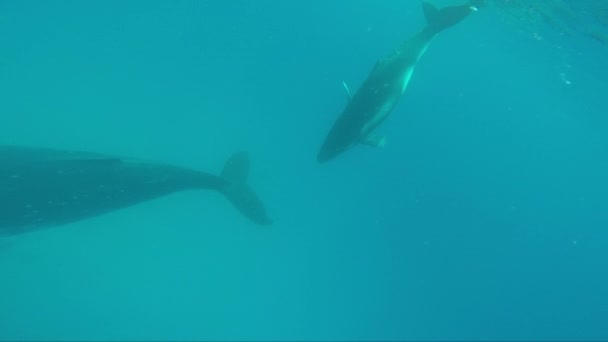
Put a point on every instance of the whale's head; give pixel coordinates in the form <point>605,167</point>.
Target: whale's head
<point>342,136</point>
<point>334,146</point>
<point>326,154</point>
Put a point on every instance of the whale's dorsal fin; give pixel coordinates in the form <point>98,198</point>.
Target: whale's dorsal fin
<point>349,96</point>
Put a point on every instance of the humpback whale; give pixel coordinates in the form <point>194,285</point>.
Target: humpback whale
<point>380,92</point>
<point>45,187</point>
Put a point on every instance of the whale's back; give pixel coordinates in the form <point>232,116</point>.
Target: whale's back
<point>43,187</point>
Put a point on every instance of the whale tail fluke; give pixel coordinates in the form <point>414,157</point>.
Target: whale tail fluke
<point>441,19</point>
<point>238,191</point>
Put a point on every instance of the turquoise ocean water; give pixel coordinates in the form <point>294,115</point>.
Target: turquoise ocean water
<point>484,217</point>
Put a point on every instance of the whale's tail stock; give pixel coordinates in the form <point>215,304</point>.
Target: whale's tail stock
<point>238,191</point>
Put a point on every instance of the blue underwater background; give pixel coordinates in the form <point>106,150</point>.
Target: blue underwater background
<point>485,217</point>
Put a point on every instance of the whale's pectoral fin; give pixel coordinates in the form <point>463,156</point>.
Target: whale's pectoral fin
<point>238,191</point>
<point>374,140</point>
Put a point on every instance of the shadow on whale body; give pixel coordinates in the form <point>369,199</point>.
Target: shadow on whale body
<point>45,187</point>
<point>387,81</point>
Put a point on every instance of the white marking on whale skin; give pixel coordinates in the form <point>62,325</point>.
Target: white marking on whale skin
<point>384,110</point>
<point>381,113</point>
<point>409,71</point>
<point>406,80</point>
<point>347,90</point>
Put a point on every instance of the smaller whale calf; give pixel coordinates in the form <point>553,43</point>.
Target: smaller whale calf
<point>387,81</point>
<point>42,187</point>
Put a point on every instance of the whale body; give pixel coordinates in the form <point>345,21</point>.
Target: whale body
<point>381,91</point>
<point>45,187</point>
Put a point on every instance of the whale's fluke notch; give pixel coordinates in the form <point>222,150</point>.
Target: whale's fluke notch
<point>238,191</point>
<point>441,19</point>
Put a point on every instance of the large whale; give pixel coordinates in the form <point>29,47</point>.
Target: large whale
<point>45,187</point>
<point>385,84</point>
